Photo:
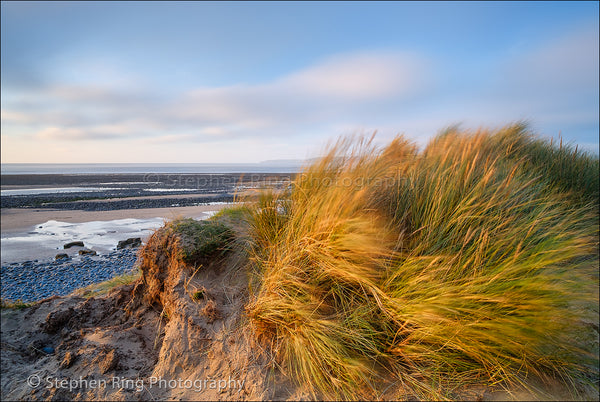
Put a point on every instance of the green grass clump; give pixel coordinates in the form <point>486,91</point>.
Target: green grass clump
<point>464,262</point>
<point>235,213</point>
<point>569,169</point>
<point>198,295</point>
<point>102,288</point>
<point>16,304</point>
<point>201,240</point>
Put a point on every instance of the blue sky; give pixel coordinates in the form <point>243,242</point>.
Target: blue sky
<point>93,82</point>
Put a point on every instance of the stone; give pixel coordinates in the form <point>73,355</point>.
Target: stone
<point>61,256</point>
<point>74,244</point>
<point>132,242</point>
<point>87,252</point>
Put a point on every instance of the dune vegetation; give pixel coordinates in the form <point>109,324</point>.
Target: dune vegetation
<point>473,260</point>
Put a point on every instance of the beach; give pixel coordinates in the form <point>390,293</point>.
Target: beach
<point>30,199</point>
<point>16,220</point>
<point>36,234</point>
<point>41,213</point>
<point>32,241</point>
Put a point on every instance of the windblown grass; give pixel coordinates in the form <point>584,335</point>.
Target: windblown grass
<point>495,270</point>
<point>473,260</point>
<point>102,288</point>
<point>563,166</point>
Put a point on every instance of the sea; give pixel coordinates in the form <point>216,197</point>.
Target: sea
<point>114,168</point>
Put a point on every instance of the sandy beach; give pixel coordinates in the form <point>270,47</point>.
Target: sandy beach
<point>18,220</point>
<point>39,234</point>
<point>42,212</point>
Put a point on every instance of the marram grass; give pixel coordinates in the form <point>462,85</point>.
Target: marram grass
<point>474,260</point>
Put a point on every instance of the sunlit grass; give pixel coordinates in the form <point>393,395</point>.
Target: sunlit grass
<point>468,261</point>
<point>103,288</point>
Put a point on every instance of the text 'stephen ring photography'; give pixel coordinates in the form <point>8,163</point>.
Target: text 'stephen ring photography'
<point>300,201</point>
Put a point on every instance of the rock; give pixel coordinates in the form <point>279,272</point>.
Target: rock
<point>48,349</point>
<point>132,242</point>
<point>61,256</point>
<point>74,244</point>
<point>67,360</point>
<point>87,252</point>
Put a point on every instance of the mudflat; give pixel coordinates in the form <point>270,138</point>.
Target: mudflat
<point>174,180</point>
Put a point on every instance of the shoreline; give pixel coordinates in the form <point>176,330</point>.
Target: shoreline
<point>111,192</point>
<point>39,234</point>
<point>15,220</point>
<point>199,181</point>
<point>32,239</point>
<point>41,213</point>
<point>31,281</point>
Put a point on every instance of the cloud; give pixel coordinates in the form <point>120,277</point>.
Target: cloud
<point>566,64</point>
<point>89,94</point>
<point>57,133</point>
<point>556,86</point>
<point>551,85</point>
<point>559,77</point>
<point>101,132</point>
<point>359,77</point>
<point>14,116</point>
<point>205,134</point>
<point>171,139</point>
<point>335,89</point>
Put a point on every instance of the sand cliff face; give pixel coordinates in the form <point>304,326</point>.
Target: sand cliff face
<point>177,333</point>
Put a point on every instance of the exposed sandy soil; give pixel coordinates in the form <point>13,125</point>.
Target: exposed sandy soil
<point>143,333</point>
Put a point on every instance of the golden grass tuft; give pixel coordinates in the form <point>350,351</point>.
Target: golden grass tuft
<point>467,261</point>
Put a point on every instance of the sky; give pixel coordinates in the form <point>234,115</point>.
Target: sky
<point>244,82</point>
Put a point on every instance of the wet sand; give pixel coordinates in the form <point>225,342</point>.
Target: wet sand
<point>34,225</point>
<point>20,219</point>
<point>199,181</point>
<point>25,236</point>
